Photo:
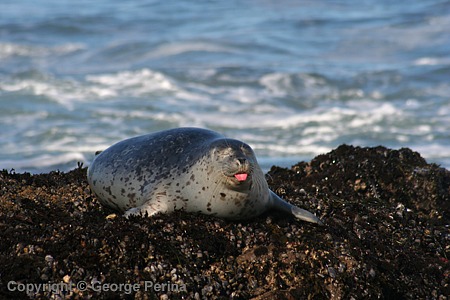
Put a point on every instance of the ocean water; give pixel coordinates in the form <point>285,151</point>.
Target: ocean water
<point>293,79</point>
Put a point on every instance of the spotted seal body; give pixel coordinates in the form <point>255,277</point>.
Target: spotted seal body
<point>193,169</point>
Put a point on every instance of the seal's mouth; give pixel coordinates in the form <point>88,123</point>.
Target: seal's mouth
<point>241,176</point>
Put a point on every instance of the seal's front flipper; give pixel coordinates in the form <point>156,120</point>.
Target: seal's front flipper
<point>297,212</point>
<point>148,208</point>
<point>135,211</point>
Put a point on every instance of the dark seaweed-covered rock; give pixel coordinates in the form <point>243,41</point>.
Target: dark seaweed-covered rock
<point>386,236</point>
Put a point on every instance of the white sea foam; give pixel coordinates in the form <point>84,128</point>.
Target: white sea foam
<point>177,48</point>
<point>134,82</point>
<point>43,161</point>
<point>288,85</point>
<point>426,61</point>
<point>69,91</point>
<point>8,50</point>
<point>66,92</point>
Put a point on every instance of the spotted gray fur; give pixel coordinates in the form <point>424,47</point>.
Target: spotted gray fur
<point>191,169</point>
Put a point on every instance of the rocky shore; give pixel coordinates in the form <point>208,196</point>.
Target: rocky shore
<point>387,236</point>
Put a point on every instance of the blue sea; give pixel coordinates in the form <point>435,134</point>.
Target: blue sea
<point>293,79</point>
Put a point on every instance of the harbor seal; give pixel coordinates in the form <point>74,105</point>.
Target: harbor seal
<point>191,169</point>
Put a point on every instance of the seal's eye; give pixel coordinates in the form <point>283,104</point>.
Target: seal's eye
<point>229,153</point>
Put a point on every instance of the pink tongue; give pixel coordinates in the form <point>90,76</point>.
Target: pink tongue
<point>241,176</point>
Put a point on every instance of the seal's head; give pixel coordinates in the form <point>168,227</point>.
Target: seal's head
<point>237,165</point>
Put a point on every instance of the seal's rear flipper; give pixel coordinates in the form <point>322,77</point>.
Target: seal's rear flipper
<point>297,212</point>
<point>305,215</point>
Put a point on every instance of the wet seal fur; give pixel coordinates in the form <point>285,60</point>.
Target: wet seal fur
<point>193,169</point>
